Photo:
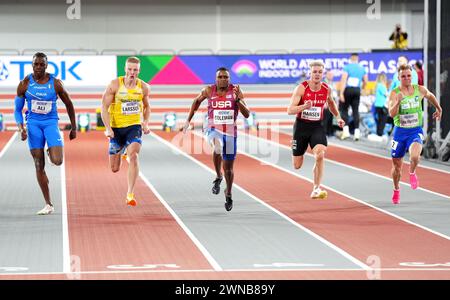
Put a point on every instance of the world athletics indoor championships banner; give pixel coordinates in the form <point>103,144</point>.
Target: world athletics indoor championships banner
<point>257,69</point>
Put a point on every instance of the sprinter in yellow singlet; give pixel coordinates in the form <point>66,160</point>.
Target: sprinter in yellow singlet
<point>124,100</point>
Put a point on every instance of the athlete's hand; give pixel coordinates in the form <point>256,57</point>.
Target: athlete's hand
<point>72,134</point>
<point>341,123</point>
<point>308,104</point>
<point>437,114</point>
<point>237,91</point>
<point>398,98</point>
<point>109,133</point>
<point>185,127</point>
<point>145,128</point>
<point>23,135</point>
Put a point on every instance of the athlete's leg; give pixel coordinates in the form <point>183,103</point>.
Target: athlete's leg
<point>297,161</point>
<point>319,155</point>
<point>115,162</point>
<point>39,164</point>
<point>414,156</point>
<point>396,171</point>
<point>54,142</point>
<point>217,156</point>
<point>56,155</point>
<point>133,169</point>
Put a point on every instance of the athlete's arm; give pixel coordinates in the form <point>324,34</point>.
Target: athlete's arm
<point>342,86</point>
<point>146,108</point>
<point>297,95</point>
<point>365,80</point>
<point>334,109</point>
<point>243,108</point>
<point>62,93</point>
<point>195,105</point>
<point>394,103</point>
<point>19,103</point>
<point>432,98</point>
<point>108,97</point>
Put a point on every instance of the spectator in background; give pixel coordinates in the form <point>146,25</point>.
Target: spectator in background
<point>418,68</point>
<point>354,79</point>
<point>328,116</point>
<point>381,102</point>
<point>402,60</point>
<point>399,37</point>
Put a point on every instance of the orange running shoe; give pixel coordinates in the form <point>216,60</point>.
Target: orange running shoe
<point>131,201</point>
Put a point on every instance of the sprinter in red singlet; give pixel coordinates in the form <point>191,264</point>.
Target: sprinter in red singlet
<point>225,100</point>
<point>307,103</point>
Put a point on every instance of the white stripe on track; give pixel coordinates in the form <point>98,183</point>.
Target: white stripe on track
<point>194,239</point>
<point>338,192</point>
<point>372,154</point>
<point>282,215</point>
<point>8,144</point>
<point>65,225</point>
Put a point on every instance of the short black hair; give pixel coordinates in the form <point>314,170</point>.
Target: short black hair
<point>419,64</point>
<point>354,54</point>
<point>222,69</point>
<point>41,55</point>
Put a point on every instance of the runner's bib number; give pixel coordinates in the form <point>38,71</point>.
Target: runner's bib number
<point>41,107</point>
<point>353,82</point>
<point>224,117</point>
<point>130,108</point>
<point>409,120</point>
<point>312,114</point>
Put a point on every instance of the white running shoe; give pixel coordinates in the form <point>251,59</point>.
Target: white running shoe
<point>357,134</point>
<point>48,209</point>
<point>345,133</point>
<point>317,193</point>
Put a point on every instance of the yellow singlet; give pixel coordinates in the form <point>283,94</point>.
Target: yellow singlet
<point>126,108</point>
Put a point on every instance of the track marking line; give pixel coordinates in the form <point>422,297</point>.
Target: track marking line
<point>372,154</point>
<point>8,144</point>
<point>341,193</point>
<point>194,239</point>
<point>282,215</point>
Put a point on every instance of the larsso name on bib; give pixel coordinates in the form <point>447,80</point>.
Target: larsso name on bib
<point>130,108</point>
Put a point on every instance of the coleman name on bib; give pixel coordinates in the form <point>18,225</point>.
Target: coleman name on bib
<point>130,108</point>
<point>223,117</point>
<point>312,114</point>
<point>41,107</point>
<point>409,120</point>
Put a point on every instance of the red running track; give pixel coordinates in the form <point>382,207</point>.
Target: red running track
<point>103,231</point>
<point>371,163</point>
<point>358,229</point>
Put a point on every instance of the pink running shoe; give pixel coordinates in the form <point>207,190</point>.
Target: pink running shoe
<point>413,180</point>
<point>396,197</point>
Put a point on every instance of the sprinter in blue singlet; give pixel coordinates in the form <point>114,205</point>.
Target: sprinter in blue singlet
<point>41,90</point>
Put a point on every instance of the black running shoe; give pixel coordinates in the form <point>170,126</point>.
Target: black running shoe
<point>228,203</point>
<point>216,187</point>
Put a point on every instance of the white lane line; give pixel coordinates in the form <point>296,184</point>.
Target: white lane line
<point>341,193</point>
<point>65,225</point>
<point>232,270</point>
<point>348,166</point>
<point>8,144</point>
<point>199,245</point>
<point>373,154</point>
<point>282,215</point>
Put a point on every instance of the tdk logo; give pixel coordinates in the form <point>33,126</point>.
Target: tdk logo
<point>4,73</point>
<point>221,104</point>
<point>59,69</point>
